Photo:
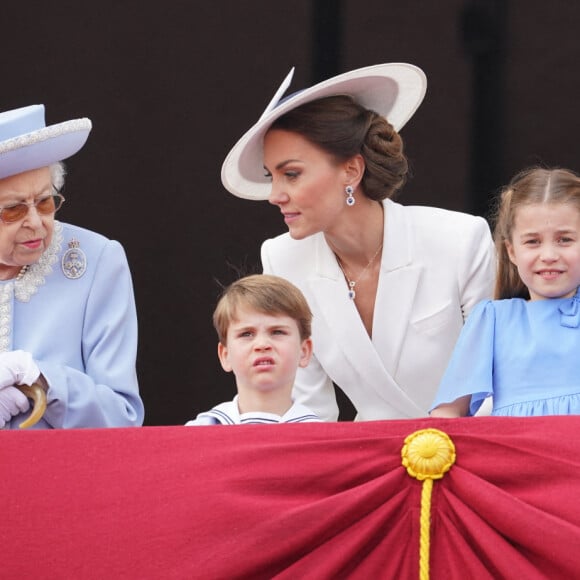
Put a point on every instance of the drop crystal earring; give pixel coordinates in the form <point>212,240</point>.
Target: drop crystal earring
<point>349,190</point>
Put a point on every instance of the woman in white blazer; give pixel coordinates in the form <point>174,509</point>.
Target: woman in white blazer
<point>389,286</point>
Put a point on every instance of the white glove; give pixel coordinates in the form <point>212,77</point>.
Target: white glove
<point>17,367</point>
<point>12,403</point>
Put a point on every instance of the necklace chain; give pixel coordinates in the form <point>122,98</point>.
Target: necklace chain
<point>353,283</point>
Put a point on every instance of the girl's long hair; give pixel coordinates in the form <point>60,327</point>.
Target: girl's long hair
<point>531,186</point>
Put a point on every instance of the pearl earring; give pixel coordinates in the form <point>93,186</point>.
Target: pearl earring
<point>349,190</point>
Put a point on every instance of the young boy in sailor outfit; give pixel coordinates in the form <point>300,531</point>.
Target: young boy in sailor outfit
<point>263,324</point>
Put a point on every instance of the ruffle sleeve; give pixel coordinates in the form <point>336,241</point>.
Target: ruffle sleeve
<point>470,369</point>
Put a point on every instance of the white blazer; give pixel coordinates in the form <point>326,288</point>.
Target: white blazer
<point>436,265</point>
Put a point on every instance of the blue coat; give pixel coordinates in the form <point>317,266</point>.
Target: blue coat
<point>82,332</point>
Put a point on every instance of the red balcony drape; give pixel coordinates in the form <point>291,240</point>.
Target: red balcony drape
<point>289,501</point>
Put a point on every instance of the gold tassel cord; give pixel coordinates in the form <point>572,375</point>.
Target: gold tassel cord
<point>38,396</point>
<point>427,454</point>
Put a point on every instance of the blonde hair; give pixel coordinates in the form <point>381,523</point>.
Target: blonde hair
<point>530,186</point>
<point>264,293</point>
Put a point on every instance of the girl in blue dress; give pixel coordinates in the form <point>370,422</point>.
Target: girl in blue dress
<point>523,348</point>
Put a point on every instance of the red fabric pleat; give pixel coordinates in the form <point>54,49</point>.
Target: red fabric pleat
<point>319,500</point>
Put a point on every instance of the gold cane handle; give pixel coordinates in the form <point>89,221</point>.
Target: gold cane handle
<point>36,393</point>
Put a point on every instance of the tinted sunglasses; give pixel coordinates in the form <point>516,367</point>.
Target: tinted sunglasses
<point>45,205</point>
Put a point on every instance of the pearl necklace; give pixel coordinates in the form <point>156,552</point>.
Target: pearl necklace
<point>22,272</point>
<point>353,283</point>
<point>19,276</point>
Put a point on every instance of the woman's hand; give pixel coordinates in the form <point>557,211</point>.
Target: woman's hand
<point>12,403</point>
<point>17,367</point>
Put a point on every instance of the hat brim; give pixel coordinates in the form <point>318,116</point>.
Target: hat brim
<point>393,90</point>
<point>43,147</point>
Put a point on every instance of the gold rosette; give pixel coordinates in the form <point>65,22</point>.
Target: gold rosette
<point>428,453</point>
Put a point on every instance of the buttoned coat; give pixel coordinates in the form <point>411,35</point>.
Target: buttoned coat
<point>436,265</point>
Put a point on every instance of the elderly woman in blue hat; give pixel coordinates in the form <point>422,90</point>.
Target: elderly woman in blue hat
<point>389,285</point>
<point>68,325</point>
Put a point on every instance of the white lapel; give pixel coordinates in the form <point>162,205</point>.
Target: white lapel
<point>398,283</point>
<point>348,340</point>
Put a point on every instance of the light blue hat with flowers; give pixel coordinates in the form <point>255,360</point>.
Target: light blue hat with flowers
<point>26,142</point>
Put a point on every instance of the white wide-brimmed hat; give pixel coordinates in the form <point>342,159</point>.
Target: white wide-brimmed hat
<point>27,143</point>
<point>393,90</point>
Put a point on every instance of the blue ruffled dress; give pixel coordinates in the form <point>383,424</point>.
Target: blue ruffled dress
<point>526,354</point>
